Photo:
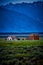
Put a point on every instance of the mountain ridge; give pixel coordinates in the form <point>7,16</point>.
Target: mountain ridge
<point>38,2</point>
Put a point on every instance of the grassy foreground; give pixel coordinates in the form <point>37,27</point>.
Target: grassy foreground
<point>21,52</point>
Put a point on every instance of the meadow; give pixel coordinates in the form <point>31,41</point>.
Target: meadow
<point>22,52</point>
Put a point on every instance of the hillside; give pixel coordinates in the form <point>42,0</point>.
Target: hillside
<point>24,17</point>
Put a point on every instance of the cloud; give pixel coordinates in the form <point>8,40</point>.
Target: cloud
<point>3,2</point>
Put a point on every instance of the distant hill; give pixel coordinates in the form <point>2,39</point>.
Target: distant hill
<point>22,17</point>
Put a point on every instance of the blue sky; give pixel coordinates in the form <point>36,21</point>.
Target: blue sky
<point>16,1</point>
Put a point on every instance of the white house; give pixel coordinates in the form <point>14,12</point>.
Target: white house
<point>9,38</point>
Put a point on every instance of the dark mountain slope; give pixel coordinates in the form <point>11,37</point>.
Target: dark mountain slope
<point>21,18</point>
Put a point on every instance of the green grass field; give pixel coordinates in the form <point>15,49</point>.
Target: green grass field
<point>22,43</point>
<point>28,52</point>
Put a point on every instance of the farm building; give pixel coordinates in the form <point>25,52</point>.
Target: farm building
<point>14,37</point>
<point>33,37</point>
<point>11,38</point>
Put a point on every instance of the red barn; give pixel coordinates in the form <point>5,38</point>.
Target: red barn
<point>33,37</point>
